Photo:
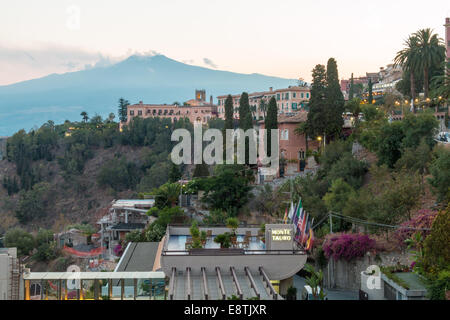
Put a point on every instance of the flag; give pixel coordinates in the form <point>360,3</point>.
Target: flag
<point>307,231</point>
<point>285,216</point>
<point>299,212</point>
<point>303,229</point>
<point>291,211</point>
<point>310,241</point>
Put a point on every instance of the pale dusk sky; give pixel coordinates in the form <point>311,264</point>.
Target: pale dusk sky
<point>284,38</point>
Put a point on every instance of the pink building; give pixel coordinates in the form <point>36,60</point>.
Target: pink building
<point>197,110</point>
<point>291,99</point>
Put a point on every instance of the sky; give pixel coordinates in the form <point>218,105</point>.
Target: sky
<point>284,38</point>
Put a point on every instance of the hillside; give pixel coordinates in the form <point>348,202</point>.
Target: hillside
<point>75,201</point>
<point>152,79</point>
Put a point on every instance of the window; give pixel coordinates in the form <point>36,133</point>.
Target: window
<point>294,106</point>
<point>294,95</point>
<point>139,112</point>
<point>287,96</point>
<point>131,112</point>
<point>285,134</point>
<point>278,97</point>
<point>307,95</point>
<point>302,95</point>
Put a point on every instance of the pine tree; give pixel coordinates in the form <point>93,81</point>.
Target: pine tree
<point>123,109</point>
<point>271,122</point>
<point>335,102</point>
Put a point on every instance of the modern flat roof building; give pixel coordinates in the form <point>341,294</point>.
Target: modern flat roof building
<point>253,266</point>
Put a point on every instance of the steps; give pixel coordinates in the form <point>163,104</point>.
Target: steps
<point>230,288</point>
<point>246,288</point>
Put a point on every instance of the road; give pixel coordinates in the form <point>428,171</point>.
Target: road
<point>299,282</point>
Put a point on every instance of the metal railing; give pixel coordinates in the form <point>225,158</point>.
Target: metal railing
<point>252,282</point>
<point>236,282</point>
<point>230,252</point>
<point>268,283</point>
<point>221,287</point>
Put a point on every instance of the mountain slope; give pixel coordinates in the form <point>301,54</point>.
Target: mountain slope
<point>153,79</point>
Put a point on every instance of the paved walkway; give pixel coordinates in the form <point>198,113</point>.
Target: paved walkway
<point>299,282</point>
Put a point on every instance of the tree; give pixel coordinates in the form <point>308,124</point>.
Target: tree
<point>317,103</point>
<point>351,91</point>
<point>431,53</point>
<point>436,248</point>
<point>229,112</point>
<point>33,203</point>
<point>245,120</point>
<point>334,101</point>
<point>390,144</point>
<point>408,58</point>
<point>174,173</point>
<point>271,122</point>
<point>123,109</point>
<point>263,107</point>
<point>84,115</point>
<point>315,281</point>
<point>370,97</point>
<point>245,116</point>
<point>440,171</point>
<point>20,239</point>
<point>338,196</point>
<point>228,190</point>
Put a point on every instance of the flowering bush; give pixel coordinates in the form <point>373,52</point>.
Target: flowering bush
<point>348,246</point>
<point>423,221</point>
<point>118,250</point>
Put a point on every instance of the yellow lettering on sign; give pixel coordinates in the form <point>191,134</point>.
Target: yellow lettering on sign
<point>281,235</point>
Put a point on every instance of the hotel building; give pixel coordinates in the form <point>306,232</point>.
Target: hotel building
<point>291,99</point>
<point>197,110</point>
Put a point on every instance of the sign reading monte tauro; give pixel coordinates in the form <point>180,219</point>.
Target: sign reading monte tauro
<point>281,235</point>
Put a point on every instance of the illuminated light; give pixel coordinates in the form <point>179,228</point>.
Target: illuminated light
<point>319,138</point>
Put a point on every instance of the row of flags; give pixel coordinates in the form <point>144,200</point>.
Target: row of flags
<point>304,234</point>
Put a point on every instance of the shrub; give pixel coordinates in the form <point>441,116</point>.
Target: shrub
<point>438,287</point>
<point>423,221</point>
<point>348,246</point>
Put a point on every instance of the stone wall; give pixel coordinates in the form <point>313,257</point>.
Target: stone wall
<point>347,275</point>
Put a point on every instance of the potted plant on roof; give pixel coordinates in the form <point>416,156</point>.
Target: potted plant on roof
<point>233,224</point>
<point>262,232</point>
<point>196,236</point>
<point>224,239</point>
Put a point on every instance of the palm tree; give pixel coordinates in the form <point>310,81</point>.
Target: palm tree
<point>263,107</point>
<point>302,128</point>
<point>431,53</point>
<point>408,58</point>
<point>85,116</point>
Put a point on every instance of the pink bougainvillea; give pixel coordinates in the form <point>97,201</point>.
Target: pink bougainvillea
<point>423,220</point>
<point>118,250</point>
<point>348,246</point>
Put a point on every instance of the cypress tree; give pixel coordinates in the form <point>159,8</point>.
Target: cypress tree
<point>335,102</point>
<point>245,116</point>
<point>271,122</point>
<point>229,113</point>
<point>245,121</point>
<point>316,125</point>
<point>351,91</point>
<point>370,91</point>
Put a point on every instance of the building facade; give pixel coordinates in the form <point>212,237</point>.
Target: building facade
<point>197,110</point>
<point>291,99</point>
